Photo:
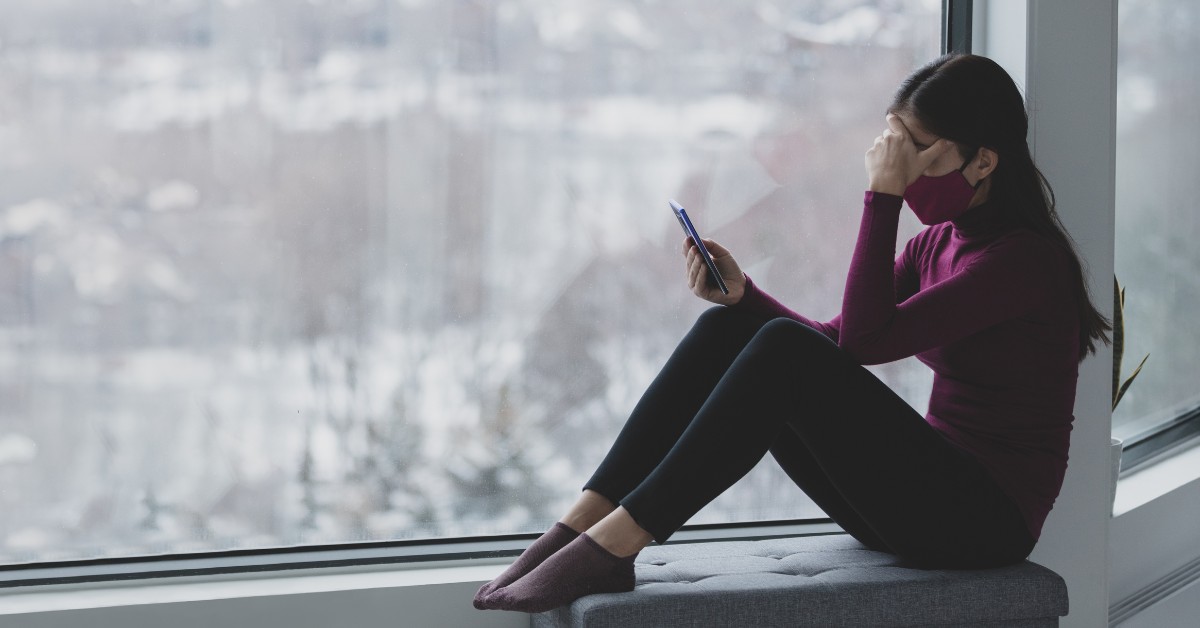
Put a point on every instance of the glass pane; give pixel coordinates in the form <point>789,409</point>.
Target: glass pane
<point>277,273</point>
<point>1157,223</point>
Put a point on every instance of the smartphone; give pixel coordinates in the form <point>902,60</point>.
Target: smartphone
<point>690,231</point>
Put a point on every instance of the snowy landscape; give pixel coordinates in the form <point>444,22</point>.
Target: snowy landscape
<point>277,273</point>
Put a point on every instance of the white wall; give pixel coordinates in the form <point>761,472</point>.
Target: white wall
<point>1070,71</point>
<point>1150,542</point>
<point>1180,609</point>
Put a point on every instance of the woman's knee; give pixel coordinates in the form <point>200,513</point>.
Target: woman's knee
<point>785,332</point>
<point>726,323</point>
<point>718,316</point>
<point>792,349</point>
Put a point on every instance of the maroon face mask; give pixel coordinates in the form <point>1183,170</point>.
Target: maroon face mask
<point>938,199</point>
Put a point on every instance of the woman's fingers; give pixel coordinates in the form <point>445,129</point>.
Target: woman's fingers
<point>926,157</point>
<point>726,265</point>
<point>697,270</point>
<point>687,260</point>
<point>895,125</point>
<point>690,268</point>
<point>893,161</point>
<point>716,250</point>
<point>698,273</point>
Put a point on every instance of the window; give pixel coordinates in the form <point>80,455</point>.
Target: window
<point>1157,220</point>
<point>277,273</point>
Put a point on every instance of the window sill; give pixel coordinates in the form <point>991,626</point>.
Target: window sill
<point>174,590</point>
<point>1147,483</point>
<point>1151,538</point>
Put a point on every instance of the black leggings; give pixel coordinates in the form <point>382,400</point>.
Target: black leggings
<point>736,388</point>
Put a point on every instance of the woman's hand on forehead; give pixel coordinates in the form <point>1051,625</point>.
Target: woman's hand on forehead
<point>895,161</point>
<point>919,137</point>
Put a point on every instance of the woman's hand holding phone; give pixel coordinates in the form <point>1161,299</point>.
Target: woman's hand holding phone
<point>698,275</point>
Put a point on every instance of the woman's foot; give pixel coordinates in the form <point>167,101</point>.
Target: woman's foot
<point>590,508</point>
<point>581,568</point>
<point>554,539</point>
<point>598,561</point>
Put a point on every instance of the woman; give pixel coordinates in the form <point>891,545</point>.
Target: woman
<point>991,296</point>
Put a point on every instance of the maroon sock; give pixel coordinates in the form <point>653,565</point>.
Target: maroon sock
<point>542,548</point>
<point>581,568</point>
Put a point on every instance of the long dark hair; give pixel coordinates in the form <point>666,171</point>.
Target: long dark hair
<point>973,102</point>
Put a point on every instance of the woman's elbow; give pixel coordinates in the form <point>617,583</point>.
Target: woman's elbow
<point>864,353</point>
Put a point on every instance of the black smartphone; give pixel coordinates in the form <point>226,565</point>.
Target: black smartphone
<point>690,230</point>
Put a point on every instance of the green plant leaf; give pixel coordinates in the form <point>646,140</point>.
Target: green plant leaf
<point>1118,336</point>
<point>1129,381</point>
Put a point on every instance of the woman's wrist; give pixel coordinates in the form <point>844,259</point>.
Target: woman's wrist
<point>737,292</point>
<point>744,290</point>
<point>875,200</point>
<point>895,188</point>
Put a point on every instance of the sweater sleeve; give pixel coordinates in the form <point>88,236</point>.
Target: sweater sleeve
<point>755,302</point>
<point>905,278</point>
<point>1006,281</point>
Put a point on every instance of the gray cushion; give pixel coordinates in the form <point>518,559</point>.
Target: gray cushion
<point>829,580</point>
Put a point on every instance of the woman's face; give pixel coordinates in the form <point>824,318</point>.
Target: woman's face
<point>946,162</point>
<point>983,163</point>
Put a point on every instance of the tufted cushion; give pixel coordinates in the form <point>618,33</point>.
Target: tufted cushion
<point>830,580</point>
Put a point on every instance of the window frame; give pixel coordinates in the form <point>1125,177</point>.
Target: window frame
<point>443,551</point>
<point>1151,444</point>
<point>958,17</point>
<point>957,24</point>
<point>1180,429</point>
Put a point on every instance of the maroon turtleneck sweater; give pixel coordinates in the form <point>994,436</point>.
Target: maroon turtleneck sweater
<point>991,310</point>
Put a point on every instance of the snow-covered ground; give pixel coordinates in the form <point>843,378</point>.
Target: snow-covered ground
<point>397,270</point>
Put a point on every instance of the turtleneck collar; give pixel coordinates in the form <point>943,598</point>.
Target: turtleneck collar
<point>985,219</point>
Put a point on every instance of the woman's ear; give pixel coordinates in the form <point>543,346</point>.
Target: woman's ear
<point>986,161</point>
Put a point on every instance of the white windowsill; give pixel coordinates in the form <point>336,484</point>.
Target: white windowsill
<point>1144,485</point>
<point>170,590</point>
<point>95,595</point>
